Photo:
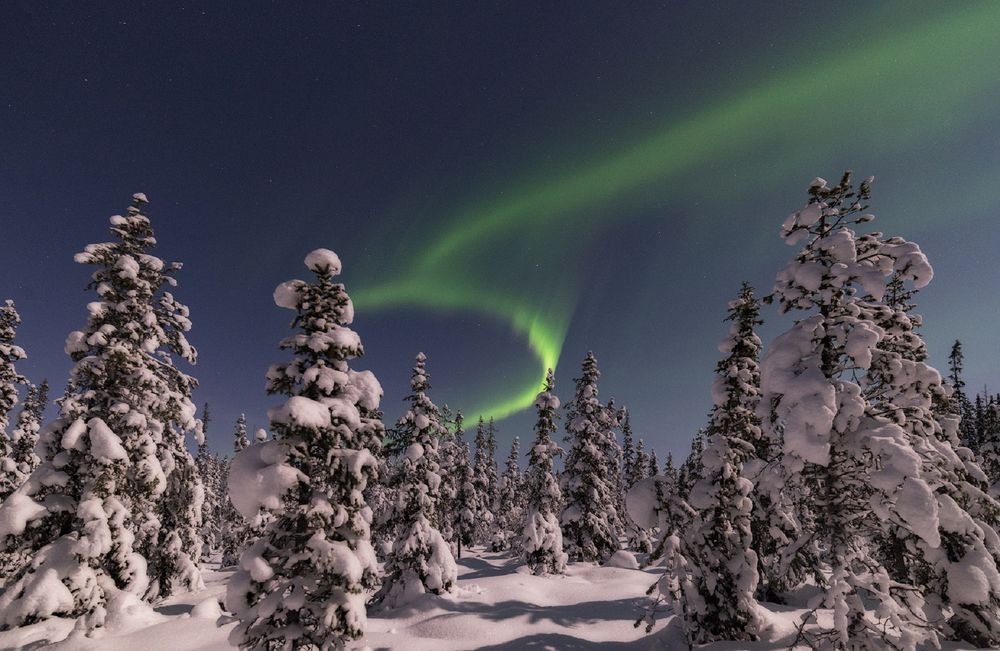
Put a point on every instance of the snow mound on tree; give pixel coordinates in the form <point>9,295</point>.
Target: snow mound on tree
<point>259,477</point>
<point>16,512</point>
<point>642,502</point>
<point>302,411</point>
<point>286,295</point>
<point>323,261</point>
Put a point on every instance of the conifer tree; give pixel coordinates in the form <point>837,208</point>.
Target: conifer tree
<point>961,405</point>
<point>10,379</point>
<point>850,448</point>
<point>449,448</point>
<point>235,531</point>
<point>467,500</point>
<point>654,464</point>
<point>510,501</point>
<point>24,436</point>
<point>301,584</point>
<point>628,474</point>
<point>88,513</point>
<point>240,440</point>
<point>10,354</point>
<point>207,469</point>
<point>990,444</point>
<point>640,470</point>
<point>612,451</point>
<point>690,471</point>
<point>670,470</point>
<point>542,542</point>
<point>484,470</point>
<point>421,560</point>
<point>718,593</point>
<point>588,517</point>
<point>938,564</point>
<point>654,505</point>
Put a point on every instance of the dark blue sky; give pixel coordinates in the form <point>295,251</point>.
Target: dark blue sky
<point>612,173</point>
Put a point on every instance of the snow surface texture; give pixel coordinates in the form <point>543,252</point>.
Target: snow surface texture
<point>498,605</point>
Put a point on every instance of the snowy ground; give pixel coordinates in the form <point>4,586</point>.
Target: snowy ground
<point>499,605</point>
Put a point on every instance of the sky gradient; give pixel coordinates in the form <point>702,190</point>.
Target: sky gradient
<point>508,186</point>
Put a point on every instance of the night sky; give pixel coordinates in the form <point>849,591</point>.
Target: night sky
<point>508,185</point>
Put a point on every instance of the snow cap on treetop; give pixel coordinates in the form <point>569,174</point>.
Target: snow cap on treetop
<point>323,261</point>
<point>140,197</point>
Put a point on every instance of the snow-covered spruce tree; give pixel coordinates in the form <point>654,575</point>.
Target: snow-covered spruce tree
<point>421,560</point>
<point>467,500</point>
<point>10,380</point>
<point>542,541</point>
<point>690,471</point>
<point>628,475</point>
<point>640,470</point>
<point>449,451</point>
<point>653,504</point>
<point>20,461</point>
<point>234,530</point>
<point>24,436</point>
<point>718,593</point>
<point>908,393</point>
<point>510,502</point>
<point>669,470</point>
<point>613,453</point>
<point>207,468</point>
<point>485,471</point>
<point>175,555</point>
<point>638,539</point>
<point>960,403</point>
<point>846,448</point>
<point>654,464</point>
<point>10,354</point>
<point>88,513</point>
<point>989,455</point>
<point>588,517</point>
<point>301,583</point>
<point>240,440</point>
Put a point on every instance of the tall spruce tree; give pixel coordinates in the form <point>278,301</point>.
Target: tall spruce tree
<point>640,470</point>
<point>301,584</point>
<point>235,531</point>
<point>628,476</point>
<point>421,560</point>
<point>937,564</point>
<point>510,502</point>
<point>542,542</point>
<point>88,514</point>
<point>989,455</point>
<point>960,403</point>
<point>10,354</point>
<point>449,447</point>
<point>207,466</point>
<point>24,437</point>
<point>691,471</point>
<point>467,500</point>
<point>718,594</point>
<point>850,448</point>
<point>10,380</point>
<point>484,470</point>
<point>588,517</point>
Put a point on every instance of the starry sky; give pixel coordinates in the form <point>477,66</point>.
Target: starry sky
<point>508,185</point>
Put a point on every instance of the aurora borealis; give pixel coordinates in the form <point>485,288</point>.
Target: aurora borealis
<point>508,186</point>
<point>898,88</point>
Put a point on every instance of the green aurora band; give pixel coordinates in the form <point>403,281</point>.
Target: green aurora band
<point>898,92</point>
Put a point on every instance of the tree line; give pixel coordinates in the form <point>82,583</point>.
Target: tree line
<point>838,458</point>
